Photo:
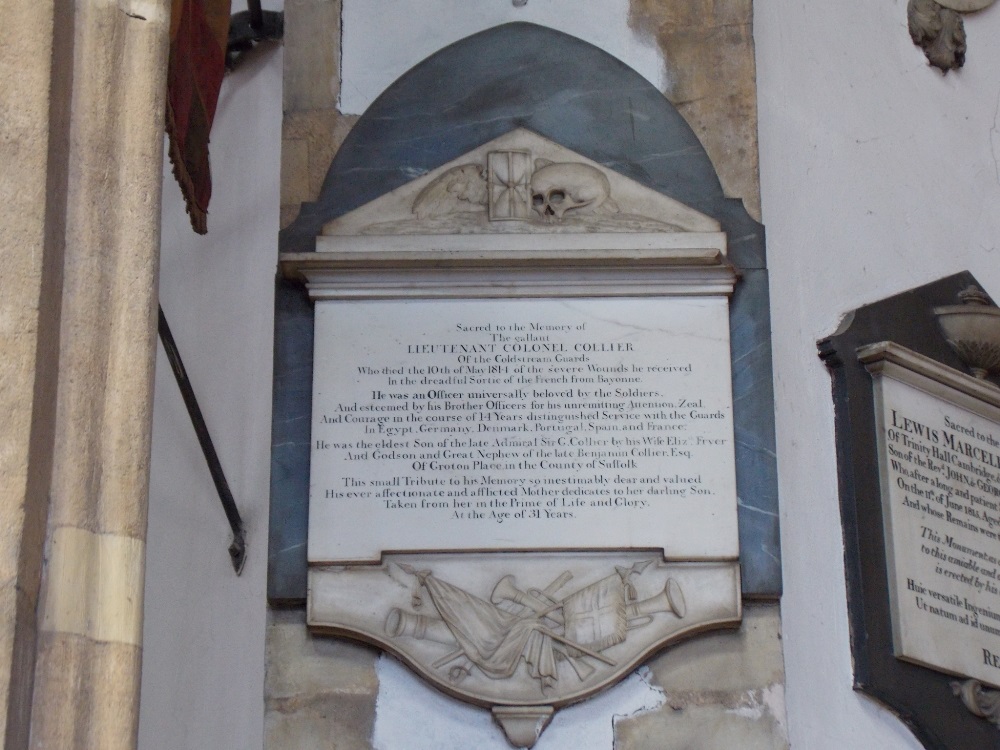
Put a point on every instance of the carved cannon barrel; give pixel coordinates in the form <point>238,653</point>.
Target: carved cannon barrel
<point>399,623</point>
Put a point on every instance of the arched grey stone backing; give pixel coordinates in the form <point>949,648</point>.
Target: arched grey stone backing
<point>523,75</point>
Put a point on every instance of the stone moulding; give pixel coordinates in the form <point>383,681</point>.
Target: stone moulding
<point>929,374</point>
<point>500,265</point>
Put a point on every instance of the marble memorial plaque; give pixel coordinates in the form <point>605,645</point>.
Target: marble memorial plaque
<point>535,424</point>
<point>939,454</point>
<point>522,472</point>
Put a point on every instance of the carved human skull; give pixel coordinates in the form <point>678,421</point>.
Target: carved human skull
<point>558,188</point>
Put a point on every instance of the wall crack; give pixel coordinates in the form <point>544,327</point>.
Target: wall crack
<point>994,137</point>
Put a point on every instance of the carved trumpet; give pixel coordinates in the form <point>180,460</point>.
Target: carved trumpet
<point>422,627</point>
<point>671,599</point>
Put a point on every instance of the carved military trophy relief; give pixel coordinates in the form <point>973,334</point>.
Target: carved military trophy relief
<point>523,473</point>
<point>540,626</point>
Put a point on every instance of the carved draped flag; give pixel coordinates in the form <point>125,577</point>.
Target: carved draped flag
<point>199,30</point>
<point>493,640</point>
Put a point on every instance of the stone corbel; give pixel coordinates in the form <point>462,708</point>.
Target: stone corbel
<point>936,26</point>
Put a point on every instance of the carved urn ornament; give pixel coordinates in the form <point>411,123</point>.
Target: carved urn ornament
<point>973,331</point>
<point>938,29</point>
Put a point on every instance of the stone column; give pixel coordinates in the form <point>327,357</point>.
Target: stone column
<point>33,131</point>
<point>81,133</point>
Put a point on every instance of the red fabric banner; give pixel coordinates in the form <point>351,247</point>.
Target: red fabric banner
<point>199,30</point>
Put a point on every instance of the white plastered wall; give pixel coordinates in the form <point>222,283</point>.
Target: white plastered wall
<point>878,174</point>
<point>203,640</point>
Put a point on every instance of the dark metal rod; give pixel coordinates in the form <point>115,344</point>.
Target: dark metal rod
<point>256,15</point>
<point>237,550</point>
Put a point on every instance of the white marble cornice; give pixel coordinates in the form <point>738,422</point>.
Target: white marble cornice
<point>514,266</point>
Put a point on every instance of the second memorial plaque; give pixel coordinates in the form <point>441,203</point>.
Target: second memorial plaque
<point>939,455</point>
<point>446,425</point>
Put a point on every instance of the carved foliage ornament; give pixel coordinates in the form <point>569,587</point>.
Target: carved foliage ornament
<point>980,701</point>
<point>939,31</point>
<point>937,28</point>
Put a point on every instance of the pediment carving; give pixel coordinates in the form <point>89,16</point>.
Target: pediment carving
<point>521,183</point>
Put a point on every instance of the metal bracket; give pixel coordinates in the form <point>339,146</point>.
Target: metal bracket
<point>238,547</point>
